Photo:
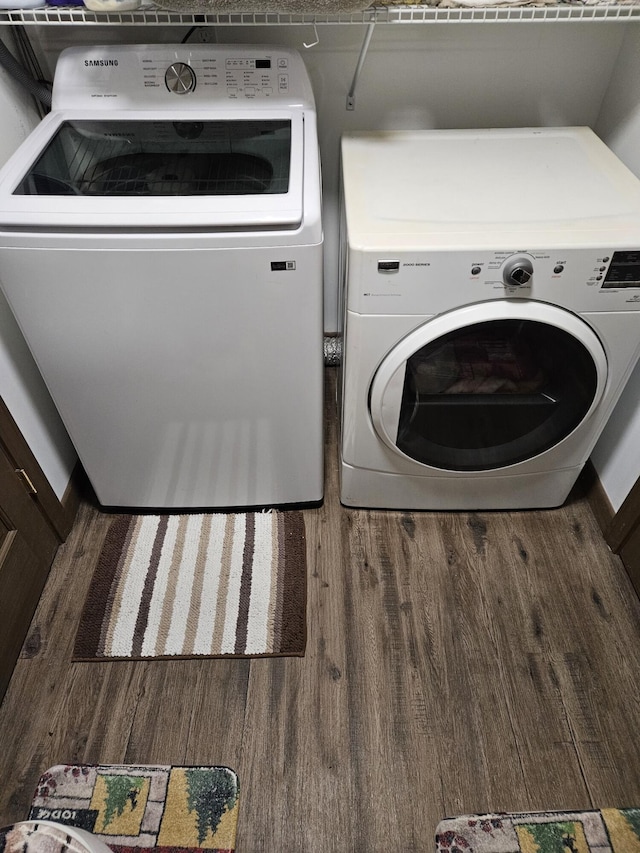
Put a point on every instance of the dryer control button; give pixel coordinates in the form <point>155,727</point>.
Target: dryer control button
<point>180,78</point>
<point>518,272</point>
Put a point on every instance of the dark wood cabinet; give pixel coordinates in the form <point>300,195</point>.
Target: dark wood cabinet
<point>33,523</point>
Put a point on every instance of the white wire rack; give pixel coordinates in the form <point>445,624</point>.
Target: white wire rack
<point>151,15</point>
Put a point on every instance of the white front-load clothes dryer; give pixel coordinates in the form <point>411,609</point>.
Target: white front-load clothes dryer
<point>161,248</point>
<point>491,313</point>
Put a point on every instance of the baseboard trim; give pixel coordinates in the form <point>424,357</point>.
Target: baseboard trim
<point>72,497</point>
<point>598,499</point>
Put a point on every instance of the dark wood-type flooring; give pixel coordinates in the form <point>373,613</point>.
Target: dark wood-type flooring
<point>456,662</point>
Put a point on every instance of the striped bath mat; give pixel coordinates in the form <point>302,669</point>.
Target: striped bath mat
<point>183,586</point>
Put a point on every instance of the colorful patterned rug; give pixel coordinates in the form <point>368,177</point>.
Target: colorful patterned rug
<point>138,808</point>
<point>603,831</point>
<point>183,586</point>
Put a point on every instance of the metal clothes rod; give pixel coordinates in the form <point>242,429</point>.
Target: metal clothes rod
<point>351,95</point>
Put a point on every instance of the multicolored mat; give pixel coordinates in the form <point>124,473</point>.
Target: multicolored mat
<point>137,808</point>
<point>602,831</point>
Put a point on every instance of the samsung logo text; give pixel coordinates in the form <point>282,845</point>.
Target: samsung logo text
<point>100,62</point>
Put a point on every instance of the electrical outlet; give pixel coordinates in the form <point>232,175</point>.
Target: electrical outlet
<point>203,35</point>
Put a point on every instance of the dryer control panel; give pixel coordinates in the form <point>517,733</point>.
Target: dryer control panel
<point>434,282</point>
<point>180,77</point>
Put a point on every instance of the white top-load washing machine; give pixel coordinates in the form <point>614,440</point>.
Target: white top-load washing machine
<point>491,313</point>
<point>161,248</point>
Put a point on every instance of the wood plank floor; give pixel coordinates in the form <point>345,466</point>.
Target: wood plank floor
<point>456,662</point>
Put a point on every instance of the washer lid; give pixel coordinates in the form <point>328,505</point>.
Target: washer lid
<point>147,170</point>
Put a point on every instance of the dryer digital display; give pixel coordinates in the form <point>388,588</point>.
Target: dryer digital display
<point>624,270</point>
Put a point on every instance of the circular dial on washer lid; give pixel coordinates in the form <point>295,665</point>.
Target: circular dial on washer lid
<point>180,78</point>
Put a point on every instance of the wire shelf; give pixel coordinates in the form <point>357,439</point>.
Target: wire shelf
<point>150,15</point>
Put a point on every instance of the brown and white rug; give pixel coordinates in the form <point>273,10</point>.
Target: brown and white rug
<point>183,586</point>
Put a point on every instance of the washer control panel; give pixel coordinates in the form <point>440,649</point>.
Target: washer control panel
<point>233,77</point>
<point>180,76</point>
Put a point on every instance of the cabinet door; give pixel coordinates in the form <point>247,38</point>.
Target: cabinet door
<point>28,544</point>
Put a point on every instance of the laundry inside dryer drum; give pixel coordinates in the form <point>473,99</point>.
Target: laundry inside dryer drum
<point>494,394</point>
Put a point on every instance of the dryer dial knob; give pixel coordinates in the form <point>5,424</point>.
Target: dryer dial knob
<point>518,272</point>
<point>180,78</point>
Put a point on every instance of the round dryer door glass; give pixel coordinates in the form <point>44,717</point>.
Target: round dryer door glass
<point>488,394</point>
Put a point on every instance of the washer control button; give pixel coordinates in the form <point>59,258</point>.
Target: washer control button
<point>476,270</point>
<point>518,272</point>
<point>558,269</point>
<point>180,78</point>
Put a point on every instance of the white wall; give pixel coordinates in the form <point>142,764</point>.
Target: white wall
<point>19,115</point>
<point>616,457</point>
<point>21,386</point>
<point>28,400</point>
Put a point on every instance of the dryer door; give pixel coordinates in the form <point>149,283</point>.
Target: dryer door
<point>488,386</point>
